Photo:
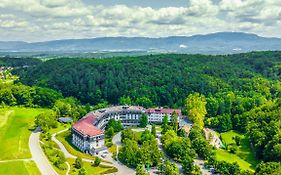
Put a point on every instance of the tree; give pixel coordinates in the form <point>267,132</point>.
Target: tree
<point>237,140</point>
<point>128,134</point>
<point>82,171</point>
<point>268,168</point>
<point>196,170</point>
<point>170,168</point>
<point>174,121</point>
<point>109,132</point>
<point>224,123</point>
<point>46,97</point>
<point>153,130</point>
<point>165,124</point>
<point>144,101</point>
<point>78,163</point>
<point>146,136</point>
<point>46,120</point>
<point>97,161</point>
<point>140,170</point>
<point>115,124</point>
<point>196,109</point>
<point>143,120</point>
<point>129,154</point>
<point>88,107</point>
<point>187,165</point>
<point>125,100</point>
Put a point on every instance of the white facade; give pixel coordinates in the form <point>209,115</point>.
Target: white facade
<point>128,115</point>
<point>85,143</point>
<point>157,117</point>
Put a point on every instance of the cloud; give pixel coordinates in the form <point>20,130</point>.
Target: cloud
<point>56,19</point>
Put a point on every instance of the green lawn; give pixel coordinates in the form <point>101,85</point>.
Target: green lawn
<point>65,139</point>
<point>244,155</point>
<point>15,132</point>
<point>90,169</point>
<point>20,167</point>
<point>4,116</point>
<point>60,127</point>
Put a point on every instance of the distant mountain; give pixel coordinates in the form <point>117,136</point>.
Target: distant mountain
<point>214,43</point>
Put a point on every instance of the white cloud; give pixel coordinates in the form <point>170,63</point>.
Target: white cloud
<point>54,19</point>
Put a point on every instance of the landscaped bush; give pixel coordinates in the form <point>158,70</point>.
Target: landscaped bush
<point>55,156</point>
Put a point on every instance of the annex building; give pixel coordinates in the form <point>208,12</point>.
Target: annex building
<point>88,132</point>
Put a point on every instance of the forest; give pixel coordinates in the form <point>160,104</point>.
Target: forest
<point>241,92</point>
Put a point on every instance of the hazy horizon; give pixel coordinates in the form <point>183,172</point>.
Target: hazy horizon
<point>45,20</point>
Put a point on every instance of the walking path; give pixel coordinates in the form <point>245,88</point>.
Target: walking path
<point>15,160</point>
<point>38,155</point>
<point>66,153</point>
<point>68,168</point>
<point>122,169</point>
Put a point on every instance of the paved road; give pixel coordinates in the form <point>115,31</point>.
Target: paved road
<point>122,169</point>
<point>61,146</point>
<point>38,155</point>
<point>200,163</point>
<point>15,160</point>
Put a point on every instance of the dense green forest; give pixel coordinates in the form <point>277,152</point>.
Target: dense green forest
<point>164,79</point>
<point>18,62</point>
<point>241,92</point>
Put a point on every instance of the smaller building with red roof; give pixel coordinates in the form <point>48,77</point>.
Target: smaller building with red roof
<point>86,136</point>
<point>156,115</point>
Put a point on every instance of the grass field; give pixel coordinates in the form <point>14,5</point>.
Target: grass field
<point>60,127</point>
<point>19,168</point>
<point>244,155</point>
<point>4,116</point>
<point>15,132</point>
<point>90,169</point>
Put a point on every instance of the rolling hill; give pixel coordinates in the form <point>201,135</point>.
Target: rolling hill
<point>214,43</point>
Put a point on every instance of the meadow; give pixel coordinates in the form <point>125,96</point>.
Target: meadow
<point>16,126</point>
<point>244,155</point>
<point>19,168</point>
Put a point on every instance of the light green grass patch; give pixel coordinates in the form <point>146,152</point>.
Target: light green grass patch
<point>227,137</point>
<point>244,151</point>
<point>19,168</point>
<point>101,169</point>
<point>14,135</point>
<point>61,126</point>
<point>223,155</point>
<point>4,115</point>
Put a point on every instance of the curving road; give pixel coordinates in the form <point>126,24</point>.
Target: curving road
<point>38,155</point>
<point>122,169</point>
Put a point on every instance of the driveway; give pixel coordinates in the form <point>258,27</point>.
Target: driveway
<point>38,155</point>
<point>122,169</point>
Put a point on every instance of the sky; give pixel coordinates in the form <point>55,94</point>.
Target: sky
<point>43,20</point>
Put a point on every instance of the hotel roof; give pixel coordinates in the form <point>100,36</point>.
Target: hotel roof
<point>86,128</point>
<point>163,111</point>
